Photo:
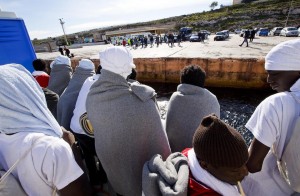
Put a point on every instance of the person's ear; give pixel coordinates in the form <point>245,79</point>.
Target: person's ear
<point>203,164</point>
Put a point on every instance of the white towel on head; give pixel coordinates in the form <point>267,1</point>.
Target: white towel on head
<point>86,64</point>
<point>117,59</point>
<point>284,57</point>
<point>23,106</point>
<point>62,60</point>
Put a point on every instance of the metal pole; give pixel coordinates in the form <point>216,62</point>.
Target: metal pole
<point>62,26</point>
<point>287,18</point>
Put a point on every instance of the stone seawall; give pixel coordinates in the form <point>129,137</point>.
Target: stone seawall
<point>222,72</point>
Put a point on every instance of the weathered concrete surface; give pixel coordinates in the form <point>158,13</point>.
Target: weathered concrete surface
<point>226,64</point>
<point>223,72</point>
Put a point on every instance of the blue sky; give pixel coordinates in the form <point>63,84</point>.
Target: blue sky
<point>42,16</point>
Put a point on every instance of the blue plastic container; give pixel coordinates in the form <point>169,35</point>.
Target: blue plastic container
<point>15,44</point>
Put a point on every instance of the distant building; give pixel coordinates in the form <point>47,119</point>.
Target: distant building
<point>46,46</point>
<point>99,37</point>
<point>154,30</point>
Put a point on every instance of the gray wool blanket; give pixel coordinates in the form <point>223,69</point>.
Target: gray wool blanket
<point>51,99</point>
<point>128,130</point>
<point>67,101</point>
<point>168,177</point>
<point>59,78</point>
<point>186,109</point>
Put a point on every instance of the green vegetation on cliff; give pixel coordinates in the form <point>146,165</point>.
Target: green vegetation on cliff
<point>269,13</point>
<point>255,14</point>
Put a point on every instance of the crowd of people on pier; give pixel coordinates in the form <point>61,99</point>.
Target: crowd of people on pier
<point>96,130</point>
<point>143,41</point>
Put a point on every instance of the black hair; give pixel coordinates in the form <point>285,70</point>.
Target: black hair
<point>193,75</point>
<point>98,71</point>
<point>39,65</point>
<point>133,74</point>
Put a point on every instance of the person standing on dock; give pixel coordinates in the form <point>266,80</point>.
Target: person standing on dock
<point>272,123</point>
<point>61,50</point>
<point>179,39</point>
<point>146,41</point>
<point>157,40</point>
<point>67,52</point>
<point>151,41</point>
<point>252,34</point>
<point>246,37</point>
<point>142,41</point>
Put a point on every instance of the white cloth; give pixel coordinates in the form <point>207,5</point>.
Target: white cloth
<point>86,64</point>
<point>51,64</point>
<point>202,175</point>
<point>23,106</point>
<point>50,164</point>
<point>269,124</point>
<point>80,104</point>
<point>117,59</point>
<point>39,73</point>
<point>284,56</point>
<point>62,60</point>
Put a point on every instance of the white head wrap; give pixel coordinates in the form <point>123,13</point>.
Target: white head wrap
<point>284,57</point>
<point>61,60</point>
<point>23,106</point>
<point>86,64</point>
<point>117,59</point>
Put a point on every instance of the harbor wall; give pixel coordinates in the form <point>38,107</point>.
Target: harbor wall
<point>222,72</point>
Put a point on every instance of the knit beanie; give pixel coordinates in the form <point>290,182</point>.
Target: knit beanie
<point>219,144</point>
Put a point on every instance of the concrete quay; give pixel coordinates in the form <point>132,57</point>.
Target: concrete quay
<point>225,62</point>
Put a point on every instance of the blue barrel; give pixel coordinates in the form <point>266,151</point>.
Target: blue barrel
<point>15,44</point>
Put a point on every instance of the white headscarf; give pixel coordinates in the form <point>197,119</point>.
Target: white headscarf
<point>284,57</point>
<point>117,59</point>
<point>23,106</point>
<point>86,64</point>
<point>61,60</point>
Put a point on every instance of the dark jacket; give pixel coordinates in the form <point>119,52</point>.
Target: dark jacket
<point>247,34</point>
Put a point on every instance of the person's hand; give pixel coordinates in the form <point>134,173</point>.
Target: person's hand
<point>68,136</point>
